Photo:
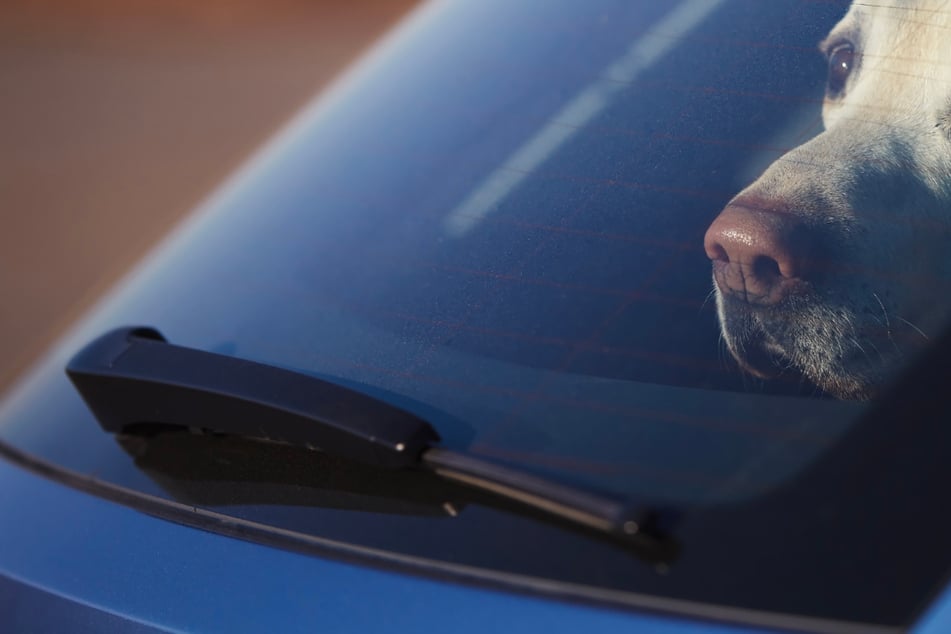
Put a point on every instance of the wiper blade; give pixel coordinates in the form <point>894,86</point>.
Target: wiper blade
<point>135,382</point>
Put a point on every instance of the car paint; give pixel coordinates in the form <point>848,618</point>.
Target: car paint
<point>160,574</point>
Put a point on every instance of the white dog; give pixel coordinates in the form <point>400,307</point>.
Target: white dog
<point>836,262</point>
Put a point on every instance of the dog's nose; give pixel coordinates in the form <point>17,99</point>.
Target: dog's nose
<point>759,251</point>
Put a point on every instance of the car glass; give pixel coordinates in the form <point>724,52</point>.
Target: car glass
<point>514,234</point>
<point>516,237</point>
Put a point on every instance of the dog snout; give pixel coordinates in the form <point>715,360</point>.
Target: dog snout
<point>760,252</point>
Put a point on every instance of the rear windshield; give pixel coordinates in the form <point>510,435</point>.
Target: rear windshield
<point>509,223</point>
<point>666,248</point>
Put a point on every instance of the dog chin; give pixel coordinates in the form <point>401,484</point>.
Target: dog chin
<point>853,376</point>
<point>767,360</point>
<point>758,357</point>
<point>849,389</point>
<point>769,344</point>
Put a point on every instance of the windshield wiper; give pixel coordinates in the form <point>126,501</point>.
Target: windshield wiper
<point>136,383</point>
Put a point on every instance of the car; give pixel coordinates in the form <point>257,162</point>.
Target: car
<point>445,354</point>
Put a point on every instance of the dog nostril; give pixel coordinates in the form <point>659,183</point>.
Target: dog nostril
<point>766,268</point>
<point>717,253</point>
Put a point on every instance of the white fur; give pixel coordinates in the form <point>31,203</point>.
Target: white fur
<point>877,184</point>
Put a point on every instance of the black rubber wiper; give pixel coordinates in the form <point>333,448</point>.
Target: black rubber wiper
<point>136,383</point>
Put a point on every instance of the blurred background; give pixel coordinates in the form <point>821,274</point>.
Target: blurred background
<point>118,116</point>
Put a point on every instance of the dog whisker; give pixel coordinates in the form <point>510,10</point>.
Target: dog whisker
<point>707,299</point>
<point>913,327</point>
<point>888,323</point>
<point>855,342</point>
<point>877,351</point>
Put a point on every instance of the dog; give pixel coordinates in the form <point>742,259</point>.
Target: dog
<point>835,264</point>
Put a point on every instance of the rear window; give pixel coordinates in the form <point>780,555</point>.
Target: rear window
<point>509,223</point>
<point>520,221</point>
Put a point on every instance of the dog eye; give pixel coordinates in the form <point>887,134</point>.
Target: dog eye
<point>841,61</point>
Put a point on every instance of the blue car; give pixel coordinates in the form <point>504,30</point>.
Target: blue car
<point>446,355</point>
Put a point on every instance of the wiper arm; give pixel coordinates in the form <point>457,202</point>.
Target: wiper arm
<point>135,382</point>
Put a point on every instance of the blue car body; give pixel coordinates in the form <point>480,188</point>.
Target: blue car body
<point>92,541</point>
<point>141,573</point>
<point>73,562</point>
